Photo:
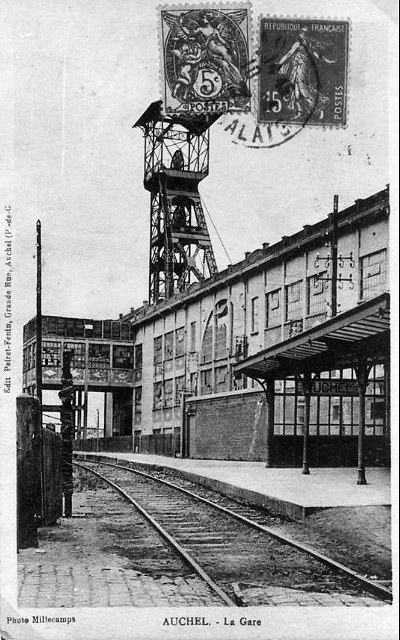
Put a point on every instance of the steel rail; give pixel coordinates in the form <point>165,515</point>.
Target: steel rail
<point>369,585</point>
<point>181,551</point>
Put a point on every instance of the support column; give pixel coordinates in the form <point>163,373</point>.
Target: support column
<point>85,411</point>
<point>79,414</point>
<point>362,370</point>
<point>183,425</point>
<point>105,414</point>
<point>361,434</point>
<point>306,428</point>
<point>108,415</point>
<point>270,420</point>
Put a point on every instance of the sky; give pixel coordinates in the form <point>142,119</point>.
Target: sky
<point>83,72</point>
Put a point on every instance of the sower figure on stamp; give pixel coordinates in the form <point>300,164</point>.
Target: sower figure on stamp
<point>299,66</point>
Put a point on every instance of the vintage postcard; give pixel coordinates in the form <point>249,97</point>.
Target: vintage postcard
<point>198,373</point>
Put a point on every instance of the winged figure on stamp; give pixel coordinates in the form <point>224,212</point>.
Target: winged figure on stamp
<point>206,39</point>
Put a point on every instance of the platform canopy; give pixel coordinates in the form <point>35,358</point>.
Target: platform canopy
<point>334,344</point>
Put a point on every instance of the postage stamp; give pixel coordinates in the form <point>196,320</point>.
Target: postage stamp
<point>303,71</point>
<point>205,59</point>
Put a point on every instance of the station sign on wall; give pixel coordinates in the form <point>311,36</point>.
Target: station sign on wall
<point>331,387</point>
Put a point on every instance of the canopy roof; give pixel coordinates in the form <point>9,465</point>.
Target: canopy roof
<point>334,344</point>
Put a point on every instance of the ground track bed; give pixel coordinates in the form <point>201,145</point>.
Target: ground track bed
<point>250,566</point>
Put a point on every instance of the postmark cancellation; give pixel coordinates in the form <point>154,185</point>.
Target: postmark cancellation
<point>205,59</point>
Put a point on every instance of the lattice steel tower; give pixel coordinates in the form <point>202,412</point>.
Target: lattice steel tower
<point>175,161</point>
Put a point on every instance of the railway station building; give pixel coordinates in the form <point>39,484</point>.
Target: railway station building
<point>194,374</point>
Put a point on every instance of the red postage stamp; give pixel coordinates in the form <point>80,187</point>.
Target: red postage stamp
<point>205,59</point>
<point>303,71</point>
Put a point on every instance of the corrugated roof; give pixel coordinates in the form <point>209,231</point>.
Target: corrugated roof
<point>333,344</point>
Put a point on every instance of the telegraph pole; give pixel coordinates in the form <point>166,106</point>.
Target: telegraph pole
<point>39,314</point>
<point>333,261</point>
<point>334,253</point>
<point>38,363</point>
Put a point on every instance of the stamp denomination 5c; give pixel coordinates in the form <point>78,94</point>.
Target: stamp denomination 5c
<point>303,71</point>
<point>205,59</point>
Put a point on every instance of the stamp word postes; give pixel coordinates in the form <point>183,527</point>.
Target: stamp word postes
<point>205,59</point>
<point>303,71</point>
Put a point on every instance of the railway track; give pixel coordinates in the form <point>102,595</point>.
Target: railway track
<point>239,557</point>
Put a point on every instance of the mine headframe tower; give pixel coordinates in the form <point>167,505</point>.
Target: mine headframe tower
<point>175,161</point>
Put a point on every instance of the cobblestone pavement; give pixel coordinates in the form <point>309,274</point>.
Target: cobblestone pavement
<point>105,556</point>
<point>254,595</point>
<point>98,586</point>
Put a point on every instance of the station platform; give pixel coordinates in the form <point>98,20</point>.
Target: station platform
<point>285,490</point>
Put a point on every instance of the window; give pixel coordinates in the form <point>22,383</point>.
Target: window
<point>168,393</point>
<point>122,357</point>
<point>293,301</point>
<point>206,349</point>
<point>179,387</point>
<point>158,349</point>
<point>316,294</point>
<point>97,329</point>
<point>125,331</point>
<point>273,306</point>
<point>254,315</point>
<point>107,328</point>
<point>169,345</point>
<point>221,308</point>
<point>116,330</point>
<point>88,327</point>
<point>138,400</point>
<point>193,384</point>
<point>221,379</point>
<point>335,409</point>
<point>74,327</point>
<point>99,356</point>
<point>179,342</point>
<point>220,342</point>
<point>373,274</point>
<point>193,336</point>
<point>158,393</point>
<point>205,382</point>
<point>138,356</point>
<point>32,356</point>
<point>51,354</point>
<point>378,410</point>
<point>58,327</point>
<point>78,358</point>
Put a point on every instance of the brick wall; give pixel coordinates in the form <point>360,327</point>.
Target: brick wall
<point>228,427</point>
<point>232,427</point>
